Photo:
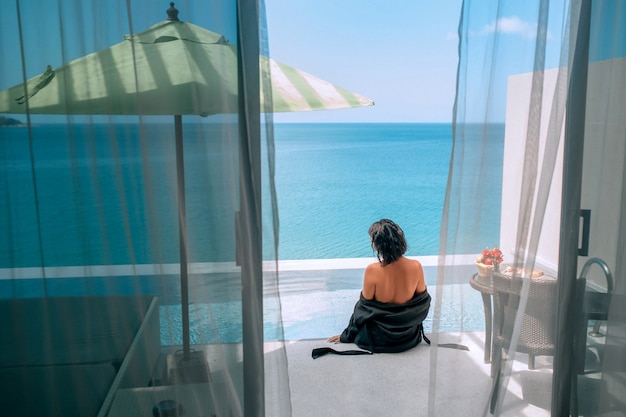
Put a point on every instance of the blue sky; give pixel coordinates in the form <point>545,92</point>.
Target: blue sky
<point>402,54</point>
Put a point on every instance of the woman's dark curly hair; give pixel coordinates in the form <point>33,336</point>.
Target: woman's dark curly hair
<point>387,240</point>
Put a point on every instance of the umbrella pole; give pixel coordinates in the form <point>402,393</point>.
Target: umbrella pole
<point>193,366</point>
<point>182,230</point>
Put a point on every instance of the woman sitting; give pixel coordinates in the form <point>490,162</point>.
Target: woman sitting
<point>394,300</point>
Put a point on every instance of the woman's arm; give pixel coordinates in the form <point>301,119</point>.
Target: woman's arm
<point>421,280</point>
<point>369,282</point>
<point>368,292</point>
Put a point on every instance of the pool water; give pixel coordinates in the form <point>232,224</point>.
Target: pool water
<point>318,315</point>
<point>315,305</point>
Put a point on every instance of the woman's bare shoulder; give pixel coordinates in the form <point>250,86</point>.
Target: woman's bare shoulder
<point>413,262</point>
<point>374,266</point>
<point>373,272</point>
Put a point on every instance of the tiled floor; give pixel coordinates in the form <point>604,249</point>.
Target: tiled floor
<point>451,382</point>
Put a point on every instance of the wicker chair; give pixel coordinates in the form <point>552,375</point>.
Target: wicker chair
<point>538,329</point>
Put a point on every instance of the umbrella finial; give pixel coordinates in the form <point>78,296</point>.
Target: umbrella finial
<point>172,12</point>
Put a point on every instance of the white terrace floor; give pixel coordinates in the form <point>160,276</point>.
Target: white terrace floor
<point>424,381</point>
<point>400,384</point>
<point>394,385</point>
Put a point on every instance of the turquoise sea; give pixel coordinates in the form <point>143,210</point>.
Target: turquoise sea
<point>332,182</point>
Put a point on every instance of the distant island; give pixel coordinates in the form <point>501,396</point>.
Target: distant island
<point>7,122</point>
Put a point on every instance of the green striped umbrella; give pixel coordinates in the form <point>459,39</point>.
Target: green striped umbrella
<point>173,68</point>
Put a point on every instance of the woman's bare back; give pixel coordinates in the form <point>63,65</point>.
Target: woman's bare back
<point>395,283</point>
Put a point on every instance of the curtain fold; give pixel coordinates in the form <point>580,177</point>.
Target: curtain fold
<point>553,89</point>
<point>90,253</point>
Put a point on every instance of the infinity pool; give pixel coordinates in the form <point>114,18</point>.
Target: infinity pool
<point>318,304</point>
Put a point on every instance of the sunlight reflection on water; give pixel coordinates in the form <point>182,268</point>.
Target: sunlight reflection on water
<point>311,315</point>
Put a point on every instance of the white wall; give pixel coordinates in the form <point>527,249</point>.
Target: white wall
<point>517,120</point>
<point>603,163</point>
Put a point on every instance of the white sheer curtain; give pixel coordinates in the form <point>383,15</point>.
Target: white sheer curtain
<point>91,256</point>
<point>553,73</point>
<point>90,288</point>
